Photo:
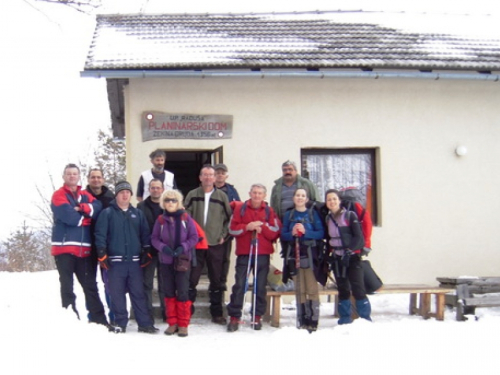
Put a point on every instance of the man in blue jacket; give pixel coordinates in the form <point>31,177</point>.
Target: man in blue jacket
<point>122,240</point>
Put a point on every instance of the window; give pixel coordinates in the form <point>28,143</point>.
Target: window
<point>341,168</point>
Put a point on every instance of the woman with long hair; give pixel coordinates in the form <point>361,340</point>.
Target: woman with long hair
<point>345,242</point>
<point>303,231</point>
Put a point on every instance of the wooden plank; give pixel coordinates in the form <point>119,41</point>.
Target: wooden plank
<point>386,289</point>
<point>482,301</point>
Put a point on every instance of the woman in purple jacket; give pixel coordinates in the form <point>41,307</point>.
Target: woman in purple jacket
<point>175,235</point>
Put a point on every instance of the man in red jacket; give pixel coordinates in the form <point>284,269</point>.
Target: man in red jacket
<point>255,226</point>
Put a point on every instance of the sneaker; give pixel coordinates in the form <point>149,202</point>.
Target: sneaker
<point>148,329</point>
<point>117,329</point>
<point>256,324</point>
<point>234,324</point>
<point>171,330</point>
<point>219,320</point>
<point>183,332</point>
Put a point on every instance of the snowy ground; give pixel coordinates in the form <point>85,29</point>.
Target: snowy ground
<point>38,336</point>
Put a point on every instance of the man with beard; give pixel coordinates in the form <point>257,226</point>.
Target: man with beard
<point>159,172</point>
<point>151,209</point>
<point>285,186</point>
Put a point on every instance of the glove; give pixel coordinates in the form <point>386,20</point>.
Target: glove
<point>365,251</point>
<point>178,251</point>
<point>167,251</point>
<point>104,262</point>
<point>146,257</point>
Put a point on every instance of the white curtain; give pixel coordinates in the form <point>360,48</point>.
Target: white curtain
<point>336,171</point>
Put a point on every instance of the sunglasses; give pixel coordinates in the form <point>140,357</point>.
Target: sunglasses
<point>170,200</point>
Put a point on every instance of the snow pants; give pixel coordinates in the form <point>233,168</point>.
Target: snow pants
<point>67,265</point>
<point>175,284</point>
<point>126,277</point>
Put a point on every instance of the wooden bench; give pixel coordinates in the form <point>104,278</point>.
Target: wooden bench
<point>420,300</point>
<point>466,288</point>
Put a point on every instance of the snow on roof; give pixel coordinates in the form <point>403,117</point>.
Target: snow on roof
<point>312,40</point>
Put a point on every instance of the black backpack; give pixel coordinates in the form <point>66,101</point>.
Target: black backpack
<point>349,197</point>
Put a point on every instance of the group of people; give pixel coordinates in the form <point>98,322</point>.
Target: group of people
<point>176,237</point>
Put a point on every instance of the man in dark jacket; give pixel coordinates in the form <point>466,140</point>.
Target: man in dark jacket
<point>99,191</point>
<point>73,211</point>
<point>151,209</point>
<point>122,239</point>
<point>221,175</point>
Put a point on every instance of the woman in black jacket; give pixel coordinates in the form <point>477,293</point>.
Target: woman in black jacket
<point>345,242</point>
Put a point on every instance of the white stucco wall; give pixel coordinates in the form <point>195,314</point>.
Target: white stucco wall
<point>438,211</point>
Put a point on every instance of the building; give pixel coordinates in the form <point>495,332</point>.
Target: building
<point>404,106</point>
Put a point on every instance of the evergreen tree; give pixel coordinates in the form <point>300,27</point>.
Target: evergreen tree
<point>27,251</point>
<point>109,156</point>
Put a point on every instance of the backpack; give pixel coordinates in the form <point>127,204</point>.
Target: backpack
<point>351,199</point>
<point>311,205</point>
<point>202,239</point>
<point>244,208</point>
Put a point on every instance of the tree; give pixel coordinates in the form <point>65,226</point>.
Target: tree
<point>109,156</point>
<point>27,251</point>
<point>84,6</point>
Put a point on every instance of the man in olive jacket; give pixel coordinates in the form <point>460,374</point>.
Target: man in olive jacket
<point>210,208</point>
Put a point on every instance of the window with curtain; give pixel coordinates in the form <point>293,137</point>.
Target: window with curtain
<point>342,168</point>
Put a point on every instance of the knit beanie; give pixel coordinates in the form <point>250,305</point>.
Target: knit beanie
<point>123,185</point>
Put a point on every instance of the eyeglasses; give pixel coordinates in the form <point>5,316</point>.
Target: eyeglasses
<point>170,200</point>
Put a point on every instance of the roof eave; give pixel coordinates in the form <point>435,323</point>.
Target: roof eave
<point>278,73</point>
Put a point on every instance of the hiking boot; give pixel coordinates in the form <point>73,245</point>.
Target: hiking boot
<point>256,324</point>
<point>183,332</point>
<point>171,330</point>
<point>219,320</point>
<point>148,329</point>
<point>234,324</point>
<point>117,329</point>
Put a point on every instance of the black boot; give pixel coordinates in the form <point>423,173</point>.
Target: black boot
<point>192,293</point>
<point>313,323</point>
<point>216,297</point>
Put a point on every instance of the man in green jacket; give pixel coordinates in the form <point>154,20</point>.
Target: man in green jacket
<point>210,208</point>
<point>285,186</point>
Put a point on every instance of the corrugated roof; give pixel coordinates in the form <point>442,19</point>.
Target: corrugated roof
<point>313,40</point>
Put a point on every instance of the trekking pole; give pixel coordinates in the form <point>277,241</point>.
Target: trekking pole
<point>297,282</point>
<point>249,265</point>
<point>255,241</point>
